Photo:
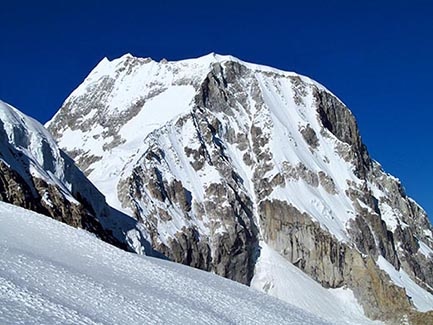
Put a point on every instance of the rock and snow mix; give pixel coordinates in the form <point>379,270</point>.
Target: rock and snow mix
<point>422,299</point>
<point>281,279</point>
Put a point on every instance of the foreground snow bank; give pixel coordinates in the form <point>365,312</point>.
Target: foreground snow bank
<point>52,273</point>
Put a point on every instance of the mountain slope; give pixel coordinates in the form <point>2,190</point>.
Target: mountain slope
<point>51,273</point>
<point>214,156</point>
<point>37,175</point>
<point>279,278</point>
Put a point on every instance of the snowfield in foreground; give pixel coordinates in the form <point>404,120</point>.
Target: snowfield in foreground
<point>51,273</point>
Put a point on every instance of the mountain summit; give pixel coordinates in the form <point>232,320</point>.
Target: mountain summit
<point>230,167</point>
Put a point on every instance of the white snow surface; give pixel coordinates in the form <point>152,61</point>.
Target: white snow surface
<point>422,299</point>
<point>51,273</point>
<point>279,278</point>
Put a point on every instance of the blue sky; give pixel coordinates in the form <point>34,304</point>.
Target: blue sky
<point>377,56</point>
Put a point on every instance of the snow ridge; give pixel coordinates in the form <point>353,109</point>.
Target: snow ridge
<point>32,140</point>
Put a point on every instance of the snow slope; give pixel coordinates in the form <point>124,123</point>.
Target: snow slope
<point>422,299</point>
<point>280,278</point>
<point>51,273</point>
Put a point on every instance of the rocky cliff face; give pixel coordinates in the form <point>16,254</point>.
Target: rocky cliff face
<point>214,155</point>
<point>37,175</point>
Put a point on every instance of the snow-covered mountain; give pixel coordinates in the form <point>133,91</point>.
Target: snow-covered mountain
<point>39,256</point>
<point>227,165</point>
<point>37,175</point>
<point>51,273</point>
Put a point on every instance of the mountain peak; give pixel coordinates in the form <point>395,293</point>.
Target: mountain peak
<point>137,70</point>
<point>214,156</point>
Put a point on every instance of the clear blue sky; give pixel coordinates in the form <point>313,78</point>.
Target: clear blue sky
<point>377,56</point>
